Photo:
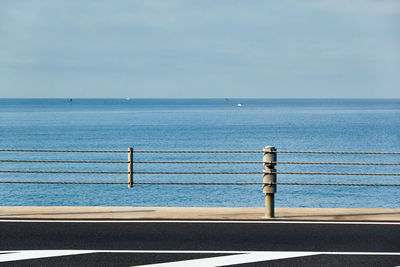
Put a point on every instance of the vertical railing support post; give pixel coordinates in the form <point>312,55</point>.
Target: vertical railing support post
<point>130,167</point>
<point>269,180</point>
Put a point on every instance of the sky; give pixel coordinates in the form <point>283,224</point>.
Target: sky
<point>200,49</point>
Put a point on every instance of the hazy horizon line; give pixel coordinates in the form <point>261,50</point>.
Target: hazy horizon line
<point>183,98</point>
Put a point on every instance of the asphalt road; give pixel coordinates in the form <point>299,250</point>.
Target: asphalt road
<point>145,242</point>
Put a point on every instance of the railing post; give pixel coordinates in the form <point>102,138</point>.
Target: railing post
<point>130,167</point>
<point>269,178</point>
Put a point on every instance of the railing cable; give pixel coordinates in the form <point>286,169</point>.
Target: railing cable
<point>198,162</point>
<point>337,184</point>
<point>198,151</point>
<point>41,182</point>
<point>73,151</point>
<point>335,163</point>
<point>197,172</point>
<point>260,172</point>
<point>298,173</point>
<point>261,162</point>
<point>340,173</point>
<point>337,152</point>
<point>62,161</point>
<point>103,172</point>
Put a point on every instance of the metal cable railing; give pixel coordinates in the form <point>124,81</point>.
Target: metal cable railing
<point>193,183</point>
<point>269,182</point>
<point>47,161</point>
<point>131,162</point>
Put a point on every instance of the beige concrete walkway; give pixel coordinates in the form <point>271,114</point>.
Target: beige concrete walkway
<point>157,213</point>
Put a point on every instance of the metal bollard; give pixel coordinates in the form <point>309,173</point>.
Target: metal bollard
<point>269,177</point>
<point>130,167</point>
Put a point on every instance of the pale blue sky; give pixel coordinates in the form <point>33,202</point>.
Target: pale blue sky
<point>206,48</point>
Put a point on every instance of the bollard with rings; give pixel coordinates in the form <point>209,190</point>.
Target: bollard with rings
<point>269,180</point>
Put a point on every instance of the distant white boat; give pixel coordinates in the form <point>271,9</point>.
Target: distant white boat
<point>128,98</point>
<point>240,104</point>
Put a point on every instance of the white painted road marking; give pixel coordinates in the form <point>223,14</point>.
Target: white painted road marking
<point>245,257</point>
<point>234,259</point>
<point>193,221</point>
<point>37,254</point>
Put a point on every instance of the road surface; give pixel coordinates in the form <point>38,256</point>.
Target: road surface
<point>198,243</point>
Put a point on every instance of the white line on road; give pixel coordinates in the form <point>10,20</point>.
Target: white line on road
<point>234,259</point>
<point>199,221</point>
<point>37,254</point>
<point>16,255</point>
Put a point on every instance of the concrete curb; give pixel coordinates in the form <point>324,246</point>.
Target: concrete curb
<point>195,213</point>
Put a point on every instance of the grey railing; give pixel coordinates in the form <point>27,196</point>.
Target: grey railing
<point>269,173</point>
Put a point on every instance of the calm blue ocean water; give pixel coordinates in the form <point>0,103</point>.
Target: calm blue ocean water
<point>199,124</point>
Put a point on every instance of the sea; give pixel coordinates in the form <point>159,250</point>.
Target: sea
<point>345,125</point>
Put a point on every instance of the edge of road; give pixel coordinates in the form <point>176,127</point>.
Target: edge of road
<point>195,213</point>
